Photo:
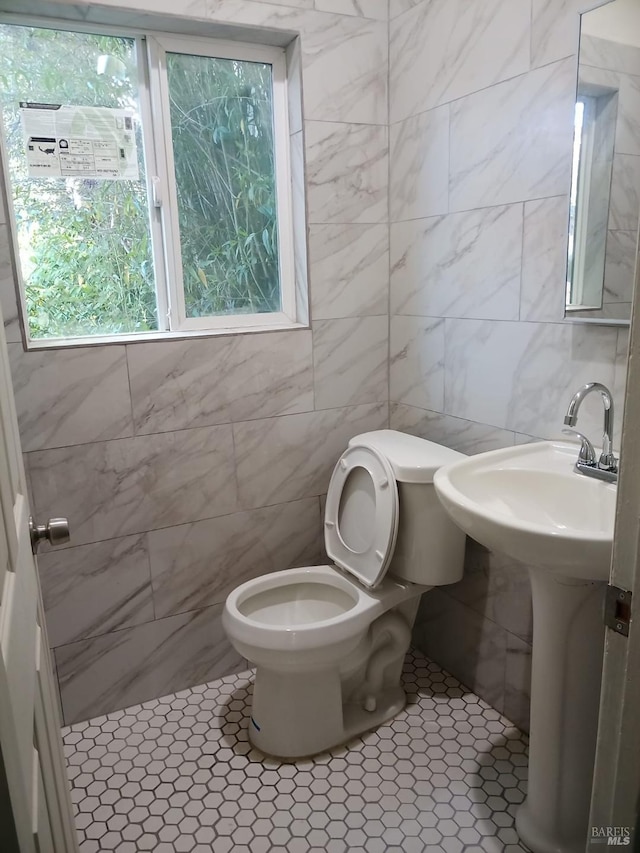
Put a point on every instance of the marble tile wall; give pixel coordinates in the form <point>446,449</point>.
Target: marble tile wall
<point>611,67</point>
<point>481,110</point>
<point>187,467</point>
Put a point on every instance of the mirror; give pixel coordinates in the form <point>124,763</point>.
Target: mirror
<point>605,184</point>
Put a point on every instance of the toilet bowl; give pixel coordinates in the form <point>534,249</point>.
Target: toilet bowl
<point>328,642</point>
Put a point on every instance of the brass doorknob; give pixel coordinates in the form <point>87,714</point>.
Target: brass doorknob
<point>55,531</point>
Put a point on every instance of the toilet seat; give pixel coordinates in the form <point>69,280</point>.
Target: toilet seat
<point>361,515</point>
<point>244,611</point>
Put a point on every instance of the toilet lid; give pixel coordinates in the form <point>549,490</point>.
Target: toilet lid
<point>361,515</point>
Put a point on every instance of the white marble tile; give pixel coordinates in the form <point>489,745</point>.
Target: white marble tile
<point>8,297</point>
<point>119,669</point>
<point>349,270</point>
<point>544,259</point>
<point>473,649</point>
<point>616,311</point>
<point>555,30</point>
<point>350,361</point>
<point>620,266</point>
<point>624,203</point>
<point>70,396</point>
<point>512,142</point>
<point>344,56</point>
<point>458,265</point>
<point>399,7</point>
<point>590,77</point>
<point>472,589</point>
<point>272,374</point>
<point>296,4</point>
<point>346,172</point>
<point>273,23</point>
<point>609,311</point>
<point>114,488</point>
<point>627,135</point>
<point>377,9</point>
<point>517,682</point>
<point>628,124</point>
<point>198,564</point>
<point>444,50</point>
<point>464,436</point>
<point>298,15</point>
<point>344,69</point>
<point>200,382</point>
<point>417,362</point>
<point>620,382</point>
<point>419,164</point>
<point>93,589</point>
<point>498,588</point>
<point>299,210</point>
<point>292,457</point>
<point>523,438</point>
<point>521,376</point>
<point>610,55</point>
<point>183,8</point>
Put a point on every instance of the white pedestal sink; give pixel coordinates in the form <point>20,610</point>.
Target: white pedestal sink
<point>528,502</point>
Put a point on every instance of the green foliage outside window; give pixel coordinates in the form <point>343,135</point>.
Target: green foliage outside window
<point>223,149</point>
<point>85,244</point>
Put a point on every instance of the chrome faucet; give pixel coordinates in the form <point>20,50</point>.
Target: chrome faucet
<point>606,468</point>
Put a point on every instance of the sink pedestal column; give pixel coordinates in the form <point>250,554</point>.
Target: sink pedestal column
<point>568,642</point>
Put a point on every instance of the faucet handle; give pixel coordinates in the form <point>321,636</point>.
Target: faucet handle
<point>587,454</point>
<point>608,461</point>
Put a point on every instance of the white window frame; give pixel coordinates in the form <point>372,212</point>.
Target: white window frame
<point>158,46</point>
<point>151,50</point>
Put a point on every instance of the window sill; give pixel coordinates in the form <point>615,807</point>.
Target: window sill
<point>148,337</point>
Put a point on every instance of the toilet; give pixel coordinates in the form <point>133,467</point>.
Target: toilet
<point>328,642</point>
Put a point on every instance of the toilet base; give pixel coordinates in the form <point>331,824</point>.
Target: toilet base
<point>389,704</point>
<point>295,716</point>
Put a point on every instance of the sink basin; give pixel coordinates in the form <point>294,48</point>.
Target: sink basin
<point>528,502</point>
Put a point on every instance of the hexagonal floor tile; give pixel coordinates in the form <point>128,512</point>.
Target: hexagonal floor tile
<point>179,774</point>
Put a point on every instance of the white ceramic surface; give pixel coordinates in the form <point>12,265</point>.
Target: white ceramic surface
<point>528,502</point>
<point>328,655</point>
<point>327,644</point>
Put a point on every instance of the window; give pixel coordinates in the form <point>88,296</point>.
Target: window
<point>150,182</point>
<point>595,120</point>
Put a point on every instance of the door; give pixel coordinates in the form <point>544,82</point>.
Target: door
<point>615,805</point>
<point>35,805</point>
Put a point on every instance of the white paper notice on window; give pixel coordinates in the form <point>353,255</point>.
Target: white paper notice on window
<point>86,142</point>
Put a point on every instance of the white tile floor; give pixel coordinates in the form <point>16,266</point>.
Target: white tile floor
<point>178,774</point>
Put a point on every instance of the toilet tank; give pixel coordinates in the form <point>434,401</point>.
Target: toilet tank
<point>430,547</point>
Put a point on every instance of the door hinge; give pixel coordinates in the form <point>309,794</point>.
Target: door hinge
<point>617,609</point>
